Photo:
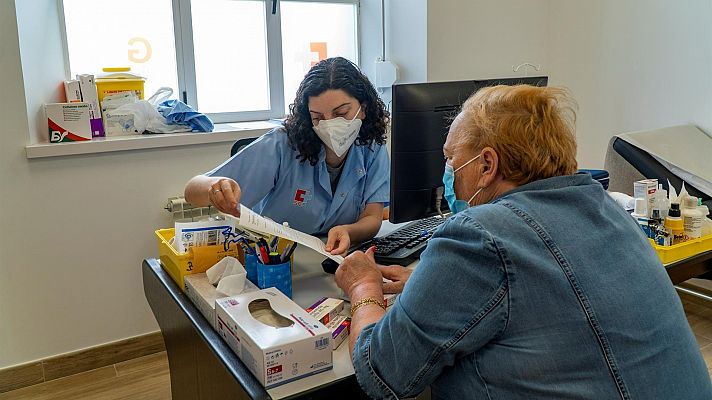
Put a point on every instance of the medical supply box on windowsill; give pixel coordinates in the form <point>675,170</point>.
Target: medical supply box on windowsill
<point>195,260</point>
<point>68,122</point>
<point>117,80</point>
<point>276,339</point>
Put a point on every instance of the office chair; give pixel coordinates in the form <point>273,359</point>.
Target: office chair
<point>238,145</point>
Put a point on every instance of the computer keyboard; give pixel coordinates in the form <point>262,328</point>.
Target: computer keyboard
<point>405,244</point>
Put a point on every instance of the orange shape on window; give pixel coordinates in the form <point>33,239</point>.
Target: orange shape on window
<point>320,49</point>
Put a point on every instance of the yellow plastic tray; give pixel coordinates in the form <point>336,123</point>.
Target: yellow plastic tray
<point>676,252</point>
<point>196,260</point>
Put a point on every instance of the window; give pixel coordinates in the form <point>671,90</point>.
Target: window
<point>231,59</point>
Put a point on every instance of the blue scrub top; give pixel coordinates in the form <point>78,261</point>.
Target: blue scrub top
<point>277,185</point>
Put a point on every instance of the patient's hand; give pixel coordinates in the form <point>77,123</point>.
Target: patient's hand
<point>397,274</point>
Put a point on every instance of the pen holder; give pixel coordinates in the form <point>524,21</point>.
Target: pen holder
<point>251,263</point>
<point>270,275</point>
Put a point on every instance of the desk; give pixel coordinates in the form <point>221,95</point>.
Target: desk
<point>202,366</point>
<point>698,266</point>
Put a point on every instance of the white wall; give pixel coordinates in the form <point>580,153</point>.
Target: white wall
<point>74,229</point>
<point>42,61</point>
<point>632,65</point>
<point>13,115</point>
<point>406,39</point>
<point>479,39</point>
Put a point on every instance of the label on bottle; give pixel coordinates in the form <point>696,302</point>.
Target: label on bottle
<point>693,225</point>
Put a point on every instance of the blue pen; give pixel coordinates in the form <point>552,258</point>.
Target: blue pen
<point>273,243</point>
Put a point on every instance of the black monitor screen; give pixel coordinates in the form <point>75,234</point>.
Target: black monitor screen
<point>421,117</point>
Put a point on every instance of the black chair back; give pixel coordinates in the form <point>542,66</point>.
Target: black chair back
<point>238,145</point>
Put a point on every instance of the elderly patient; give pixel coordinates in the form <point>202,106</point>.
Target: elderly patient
<point>539,287</point>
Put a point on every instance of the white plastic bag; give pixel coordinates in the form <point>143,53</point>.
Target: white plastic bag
<point>146,117</point>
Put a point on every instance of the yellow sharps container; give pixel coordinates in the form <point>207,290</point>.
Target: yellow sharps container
<point>116,80</point>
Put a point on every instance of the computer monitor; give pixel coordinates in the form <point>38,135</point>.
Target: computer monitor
<point>421,117</point>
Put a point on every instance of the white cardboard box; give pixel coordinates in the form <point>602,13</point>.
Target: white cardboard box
<point>293,345</point>
<point>89,95</point>
<point>204,295</point>
<point>72,91</point>
<point>339,328</point>
<point>326,309</point>
<point>68,122</point>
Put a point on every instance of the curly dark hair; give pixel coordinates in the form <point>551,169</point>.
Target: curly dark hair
<point>334,73</point>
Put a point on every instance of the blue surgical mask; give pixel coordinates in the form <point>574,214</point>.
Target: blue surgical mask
<point>453,202</point>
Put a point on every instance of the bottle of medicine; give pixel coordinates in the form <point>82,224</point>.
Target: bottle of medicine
<point>673,222</point>
<point>640,213</point>
<point>691,218</point>
<point>661,201</point>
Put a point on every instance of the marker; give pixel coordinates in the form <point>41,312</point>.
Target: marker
<point>262,247</point>
<point>274,257</point>
<point>258,254</point>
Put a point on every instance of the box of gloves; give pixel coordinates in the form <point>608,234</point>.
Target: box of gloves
<point>202,291</point>
<point>275,338</point>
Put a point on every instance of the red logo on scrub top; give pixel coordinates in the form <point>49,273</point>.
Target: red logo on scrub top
<point>301,196</point>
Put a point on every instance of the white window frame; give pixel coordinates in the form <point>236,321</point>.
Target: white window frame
<point>185,58</point>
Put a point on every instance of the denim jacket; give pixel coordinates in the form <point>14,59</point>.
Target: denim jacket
<point>550,291</point>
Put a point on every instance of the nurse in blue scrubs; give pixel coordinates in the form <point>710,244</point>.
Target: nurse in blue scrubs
<point>325,171</point>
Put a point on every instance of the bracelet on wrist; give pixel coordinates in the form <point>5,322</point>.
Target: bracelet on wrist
<point>363,302</point>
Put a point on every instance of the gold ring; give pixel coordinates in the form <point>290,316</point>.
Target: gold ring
<point>216,190</point>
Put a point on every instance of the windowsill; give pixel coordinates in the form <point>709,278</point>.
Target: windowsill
<point>222,133</point>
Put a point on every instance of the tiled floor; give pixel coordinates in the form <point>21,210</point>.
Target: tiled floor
<point>147,377</point>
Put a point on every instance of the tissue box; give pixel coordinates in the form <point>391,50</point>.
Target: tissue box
<point>339,328</point>
<point>196,260</point>
<point>326,309</point>
<point>294,344</point>
<point>204,295</point>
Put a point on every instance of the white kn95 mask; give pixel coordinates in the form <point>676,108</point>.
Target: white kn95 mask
<point>338,134</point>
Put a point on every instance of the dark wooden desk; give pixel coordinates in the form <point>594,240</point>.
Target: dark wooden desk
<point>201,364</point>
<point>699,266</point>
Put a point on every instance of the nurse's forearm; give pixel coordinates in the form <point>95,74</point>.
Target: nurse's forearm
<point>368,224</point>
<point>197,190</point>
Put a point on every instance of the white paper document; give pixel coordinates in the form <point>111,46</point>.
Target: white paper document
<point>255,222</point>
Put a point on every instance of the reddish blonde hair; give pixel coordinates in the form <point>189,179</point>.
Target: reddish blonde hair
<point>531,129</point>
